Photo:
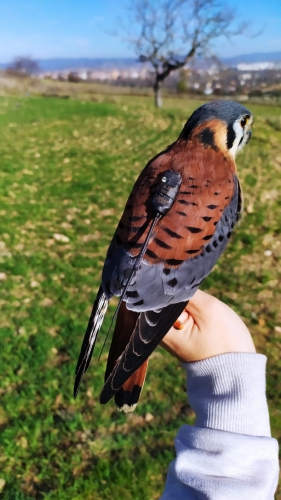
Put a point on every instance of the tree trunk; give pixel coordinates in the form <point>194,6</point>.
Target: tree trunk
<point>157,94</point>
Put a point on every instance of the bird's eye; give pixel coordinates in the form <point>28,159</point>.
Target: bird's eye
<point>244,121</point>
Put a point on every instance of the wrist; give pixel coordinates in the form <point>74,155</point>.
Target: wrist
<point>227,392</point>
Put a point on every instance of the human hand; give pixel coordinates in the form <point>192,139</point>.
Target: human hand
<point>210,327</point>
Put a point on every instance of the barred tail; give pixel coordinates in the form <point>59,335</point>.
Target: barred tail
<point>149,329</point>
<point>127,397</point>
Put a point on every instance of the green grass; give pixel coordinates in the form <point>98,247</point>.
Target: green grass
<point>66,169</point>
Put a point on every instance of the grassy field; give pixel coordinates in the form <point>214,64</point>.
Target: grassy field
<point>67,167</point>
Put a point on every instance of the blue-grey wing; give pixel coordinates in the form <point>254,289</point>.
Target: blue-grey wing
<point>154,286</point>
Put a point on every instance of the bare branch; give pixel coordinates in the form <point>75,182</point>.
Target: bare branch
<point>168,33</point>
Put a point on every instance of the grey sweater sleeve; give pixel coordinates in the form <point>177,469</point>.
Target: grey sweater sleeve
<point>228,454</point>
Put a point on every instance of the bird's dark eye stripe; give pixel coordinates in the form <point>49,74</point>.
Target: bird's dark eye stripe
<point>173,262</point>
<point>162,244</point>
<point>194,229</point>
<point>133,295</point>
<point>206,219</point>
<point>212,207</point>
<point>183,202</point>
<point>151,254</point>
<point>172,282</point>
<point>208,237</point>
<point>192,251</point>
<point>230,136</point>
<point>172,233</point>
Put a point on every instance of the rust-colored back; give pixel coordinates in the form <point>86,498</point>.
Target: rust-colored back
<point>207,188</point>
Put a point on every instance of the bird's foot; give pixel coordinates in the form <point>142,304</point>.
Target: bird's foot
<point>178,325</point>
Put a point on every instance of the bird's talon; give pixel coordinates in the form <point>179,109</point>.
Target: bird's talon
<point>178,325</point>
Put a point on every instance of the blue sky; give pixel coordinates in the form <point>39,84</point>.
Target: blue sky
<point>71,28</point>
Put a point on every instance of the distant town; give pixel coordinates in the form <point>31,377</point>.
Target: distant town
<point>243,76</point>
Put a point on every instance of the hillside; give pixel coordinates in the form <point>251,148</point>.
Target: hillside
<point>61,64</point>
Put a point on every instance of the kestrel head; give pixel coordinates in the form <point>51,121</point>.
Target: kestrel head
<point>225,125</point>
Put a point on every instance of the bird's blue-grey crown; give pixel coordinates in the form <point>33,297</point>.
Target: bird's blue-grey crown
<point>227,111</point>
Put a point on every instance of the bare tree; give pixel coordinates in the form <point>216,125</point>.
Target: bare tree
<point>169,33</point>
<point>23,65</point>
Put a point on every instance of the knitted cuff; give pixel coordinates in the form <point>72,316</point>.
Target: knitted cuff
<point>227,392</point>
